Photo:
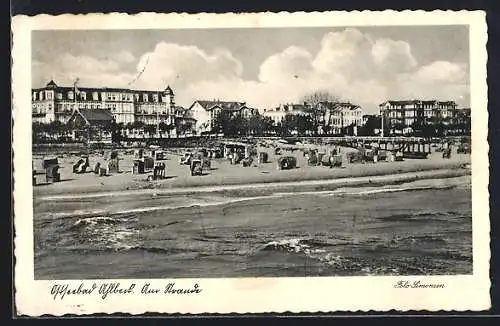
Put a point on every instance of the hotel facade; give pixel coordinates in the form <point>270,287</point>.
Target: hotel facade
<point>403,117</point>
<point>206,112</point>
<point>57,103</point>
<point>333,119</point>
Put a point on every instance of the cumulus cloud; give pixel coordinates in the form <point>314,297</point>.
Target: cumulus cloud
<point>350,64</point>
<point>91,71</point>
<point>183,65</point>
<point>437,80</point>
<point>442,71</point>
<point>393,55</point>
<point>124,56</point>
<point>293,62</point>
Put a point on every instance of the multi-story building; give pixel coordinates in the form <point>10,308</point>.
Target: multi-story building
<point>338,117</point>
<point>462,121</point>
<point>404,117</point>
<point>279,113</point>
<point>206,112</point>
<point>57,103</point>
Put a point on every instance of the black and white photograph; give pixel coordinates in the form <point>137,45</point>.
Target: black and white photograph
<point>256,152</point>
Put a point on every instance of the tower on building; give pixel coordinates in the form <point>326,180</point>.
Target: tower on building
<point>170,94</point>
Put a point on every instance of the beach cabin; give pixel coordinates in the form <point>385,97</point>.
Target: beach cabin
<point>45,170</point>
<point>246,150</point>
<point>92,126</point>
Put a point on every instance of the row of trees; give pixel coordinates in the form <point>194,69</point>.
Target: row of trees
<point>59,130</point>
<point>435,127</point>
<point>300,124</point>
<point>235,125</point>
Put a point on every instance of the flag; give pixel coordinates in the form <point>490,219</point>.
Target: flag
<point>74,84</point>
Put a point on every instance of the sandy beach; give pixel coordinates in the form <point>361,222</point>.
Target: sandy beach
<point>222,173</point>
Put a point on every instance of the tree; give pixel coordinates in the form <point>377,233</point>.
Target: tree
<point>222,123</point>
<point>186,127</point>
<point>314,98</point>
<point>138,124</point>
<point>303,124</point>
<point>288,125</point>
<point>267,125</point>
<point>255,125</point>
<point>116,131</point>
<point>164,128</point>
<point>317,112</point>
<point>150,129</point>
<point>237,126</point>
<point>372,123</point>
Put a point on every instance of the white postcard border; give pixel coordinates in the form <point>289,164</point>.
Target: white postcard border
<point>252,295</point>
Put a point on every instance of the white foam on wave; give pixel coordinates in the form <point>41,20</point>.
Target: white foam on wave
<point>94,220</point>
<point>362,190</point>
<point>426,184</point>
<point>105,214</point>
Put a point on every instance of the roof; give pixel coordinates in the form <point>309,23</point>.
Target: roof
<point>51,84</point>
<point>431,102</point>
<point>169,91</point>
<point>224,105</point>
<point>96,115</point>
<point>99,90</point>
<point>337,106</point>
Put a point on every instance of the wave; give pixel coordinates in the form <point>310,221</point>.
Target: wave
<point>105,214</point>
<point>362,191</point>
<point>297,245</point>
<point>330,255</point>
<point>92,221</point>
<point>423,217</point>
<point>365,191</point>
<point>416,240</point>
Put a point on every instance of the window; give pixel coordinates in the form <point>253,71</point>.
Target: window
<point>144,97</point>
<point>95,96</point>
<point>34,96</point>
<point>59,96</point>
<point>48,95</point>
<point>71,95</point>
<point>83,96</point>
<point>40,96</point>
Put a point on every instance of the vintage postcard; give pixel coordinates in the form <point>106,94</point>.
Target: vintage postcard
<point>250,163</point>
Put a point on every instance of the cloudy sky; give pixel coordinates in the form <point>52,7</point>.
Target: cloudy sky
<point>264,67</point>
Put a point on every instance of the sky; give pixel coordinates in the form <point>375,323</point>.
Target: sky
<point>264,67</point>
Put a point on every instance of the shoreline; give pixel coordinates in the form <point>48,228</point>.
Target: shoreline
<point>223,175</point>
<point>380,179</point>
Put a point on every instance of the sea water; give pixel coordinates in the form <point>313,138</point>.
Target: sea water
<point>417,228</point>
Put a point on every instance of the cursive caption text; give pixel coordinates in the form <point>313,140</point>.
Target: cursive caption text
<point>418,285</point>
<point>106,290</point>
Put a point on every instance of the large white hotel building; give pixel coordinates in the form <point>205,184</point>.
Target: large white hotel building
<point>57,103</point>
